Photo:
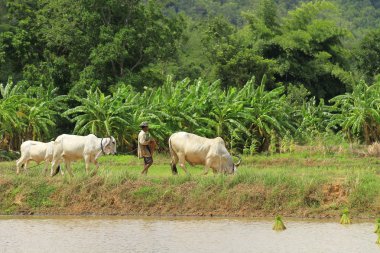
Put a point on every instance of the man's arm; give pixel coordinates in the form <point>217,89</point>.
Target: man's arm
<point>144,140</point>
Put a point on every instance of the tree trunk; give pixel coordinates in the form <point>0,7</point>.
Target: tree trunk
<point>366,134</point>
<point>265,145</point>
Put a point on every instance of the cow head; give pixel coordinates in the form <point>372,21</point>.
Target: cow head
<point>236,165</point>
<point>109,145</point>
<point>227,165</point>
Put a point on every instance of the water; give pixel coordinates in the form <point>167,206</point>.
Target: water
<point>180,235</point>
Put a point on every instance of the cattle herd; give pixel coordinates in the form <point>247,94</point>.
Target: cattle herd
<point>66,148</point>
<point>184,147</point>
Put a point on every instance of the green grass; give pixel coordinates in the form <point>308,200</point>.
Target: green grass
<point>295,184</point>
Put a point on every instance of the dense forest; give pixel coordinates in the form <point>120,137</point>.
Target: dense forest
<point>262,74</point>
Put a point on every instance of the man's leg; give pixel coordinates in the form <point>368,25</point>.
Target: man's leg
<point>148,161</point>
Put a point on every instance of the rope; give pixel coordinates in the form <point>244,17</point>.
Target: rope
<point>127,153</point>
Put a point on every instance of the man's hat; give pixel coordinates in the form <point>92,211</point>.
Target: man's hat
<point>144,124</point>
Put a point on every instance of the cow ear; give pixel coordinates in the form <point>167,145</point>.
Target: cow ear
<point>108,142</point>
<point>226,156</point>
<point>223,158</point>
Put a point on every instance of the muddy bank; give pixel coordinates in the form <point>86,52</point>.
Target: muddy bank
<point>183,197</point>
<point>296,185</point>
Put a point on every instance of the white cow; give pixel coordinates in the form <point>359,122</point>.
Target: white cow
<point>35,151</point>
<point>196,150</point>
<point>69,148</point>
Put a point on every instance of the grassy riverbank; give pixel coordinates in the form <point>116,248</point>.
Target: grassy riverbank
<point>301,184</point>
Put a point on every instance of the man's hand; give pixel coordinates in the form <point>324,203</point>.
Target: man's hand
<point>152,145</point>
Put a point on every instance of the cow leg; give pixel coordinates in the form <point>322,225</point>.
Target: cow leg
<point>60,169</point>
<point>26,165</point>
<point>174,168</point>
<point>55,167</point>
<point>207,167</point>
<point>184,168</point>
<point>68,167</point>
<point>46,167</point>
<point>182,162</point>
<point>87,160</point>
<point>173,164</point>
<point>20,163</point>
<point>95,161</point>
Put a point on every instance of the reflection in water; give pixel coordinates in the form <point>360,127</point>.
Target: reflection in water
<point>107,234</point>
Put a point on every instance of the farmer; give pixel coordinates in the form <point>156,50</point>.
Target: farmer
<point>146,145</point>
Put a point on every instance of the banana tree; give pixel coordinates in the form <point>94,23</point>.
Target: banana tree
<point>98,114</point>
<point>269,111</point>
<point>358,113</point>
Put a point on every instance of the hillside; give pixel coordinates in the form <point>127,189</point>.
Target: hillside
<point>359,14</point>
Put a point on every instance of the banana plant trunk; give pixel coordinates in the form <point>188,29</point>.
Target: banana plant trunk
<point>367,131</point>
<point>265,144</point>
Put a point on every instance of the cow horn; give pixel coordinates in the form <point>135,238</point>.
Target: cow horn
<point>239,162</point>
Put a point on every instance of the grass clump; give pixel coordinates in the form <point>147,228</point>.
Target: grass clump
<point>278,224</point>
<point>40,195</point>
<point>345,219</point>
<point>377,226</point>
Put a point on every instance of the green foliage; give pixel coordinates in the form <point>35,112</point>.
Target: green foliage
<point>40,195</point>
<point>112,59</point>
<point>241,117</point>
<point>345,219</point>
<point>364,184</point>
<point>8,156</point>
<point>232,53</point>
<point>368,55</point>
<point>377,227</point>
<point>309,50</point>
<point>313,119</point>
<point>99,114</point>
<point>359,112</point>
<point>77,43</point>
<point>278,224</point>
<point>303,47</point>
<point>27,113</point>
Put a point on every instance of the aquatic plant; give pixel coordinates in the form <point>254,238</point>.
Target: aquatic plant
<point>278,224</point>
<point>345,219</point>
<point>377,226</point>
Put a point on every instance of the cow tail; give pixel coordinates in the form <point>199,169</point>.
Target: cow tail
<point>57,170</point>
<point>172,154</point>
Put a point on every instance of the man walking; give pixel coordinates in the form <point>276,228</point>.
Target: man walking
<point>144,147</point>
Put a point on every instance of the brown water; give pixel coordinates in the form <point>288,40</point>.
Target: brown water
<point>179,235</point>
